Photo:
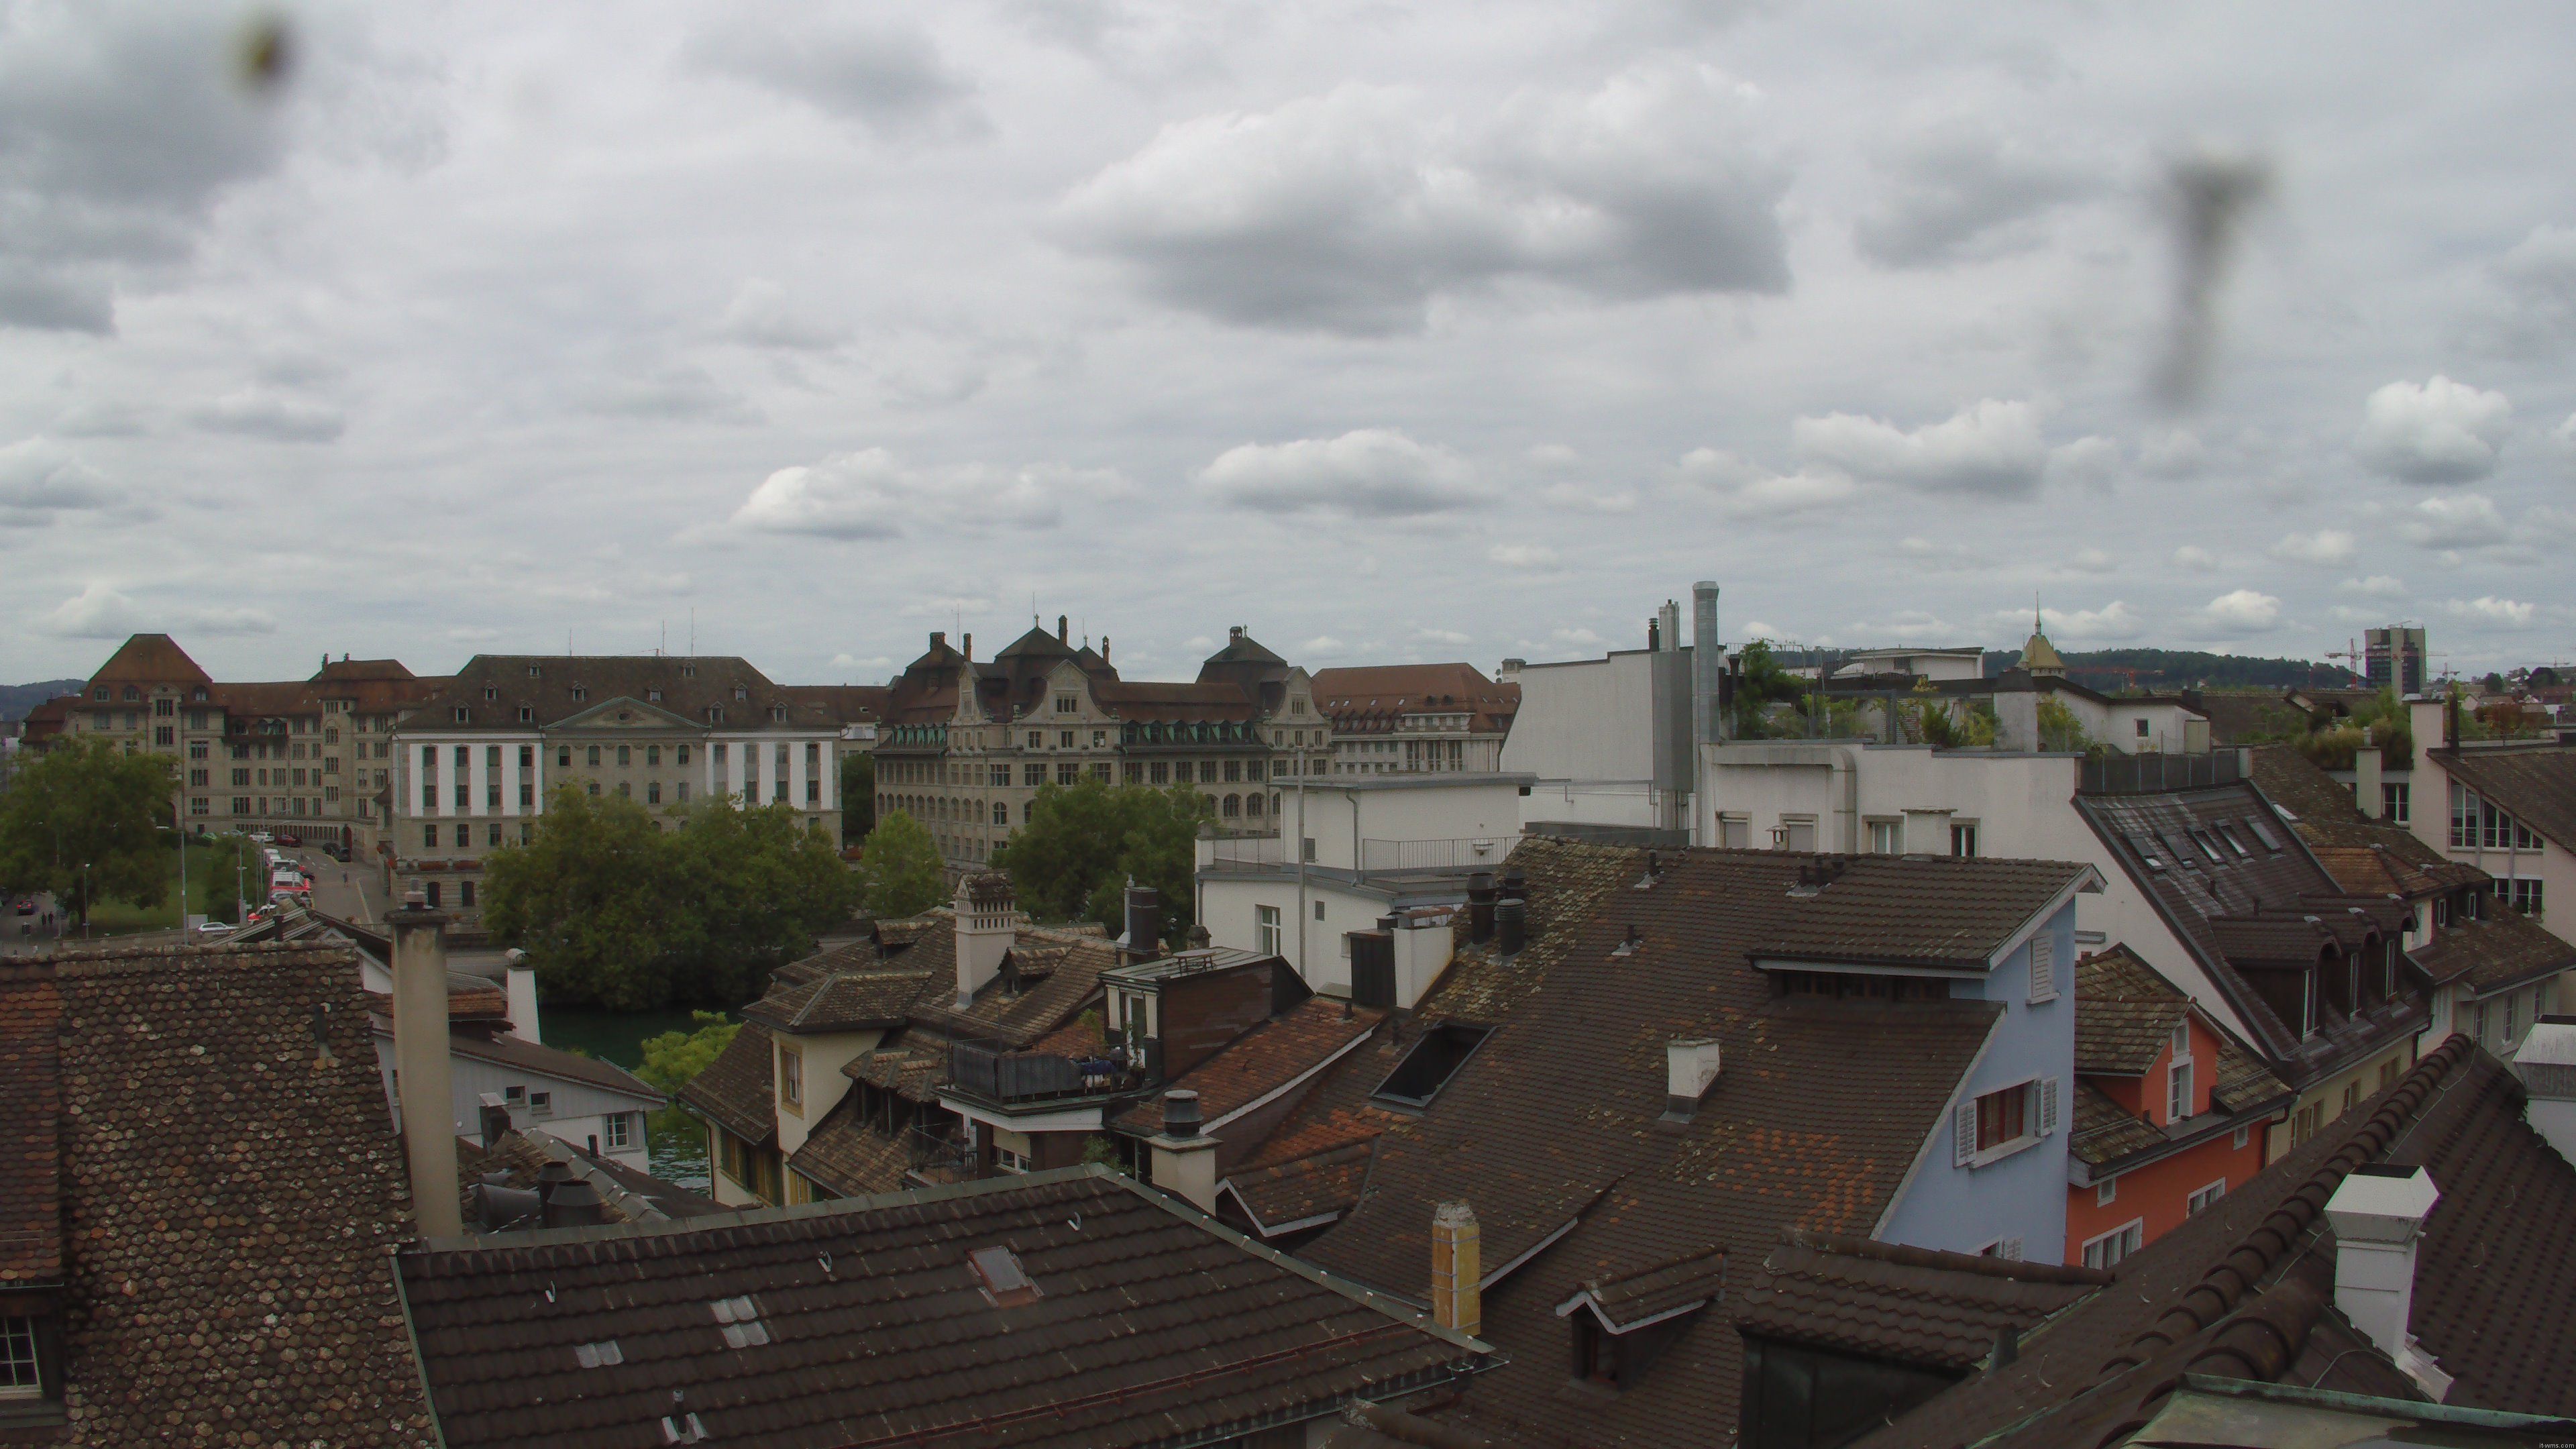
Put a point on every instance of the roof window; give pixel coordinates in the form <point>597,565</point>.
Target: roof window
<point>2228,834</point>
<point>2148,850</point>
<point>603,1354</point>
<point>1432,1062</point>
<point>740,1318</point>
<point>490,693</point>
<point>2208,847</point>
<point>463,714</point>
<point>688,671</point>
<point>2262,833</point>
<point>741,693</point>
<point>1005,1281</point>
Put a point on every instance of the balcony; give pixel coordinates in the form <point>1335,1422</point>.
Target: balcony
<point>1021,1079</point>
<point>2156,774</point>
<point>1482,852</point>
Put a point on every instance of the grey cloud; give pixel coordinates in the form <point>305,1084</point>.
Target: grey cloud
<point>761,315</point>
<point>278,417</point>
<point>39,480</point>
<point>2534,311</point>
<point>2439,432</point>
<point>54,299</point>
<point>1957,193</point>
<point>872,494</point>
<point>886,76</point>
<point>1351,211</point>
<point>99,611</point>
<point>681,392</point>
<point>1369,473</point>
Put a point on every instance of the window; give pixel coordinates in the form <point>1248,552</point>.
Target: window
<point>791,1076</point>
<point>684,792</point>
<point>1963,840</point>
<point>2002,1117</point>
<point>1265,931</point>
<point>2106,1192</point>
<point>2003,1122</point>
<point>2178,1090</point>
<point>2043,967</point>
<point>653,792</point>
<point>1068,774</point>
<point>621,1130</point>
<point>1067,704</point>
<point>1064,739</point>
<point>20,1376</point>
<point>492,836</point>
<point>1735,832</point>
<point>594,757</point>
<point>2351,1097</point>
<point>2205,1199</point>
<point>1887,837</point>
<point>465,894</point>
<point>464,837</point>
<point>1795,834</point>
<point>2522,894</point>
<point>2142,729</point>
<point>2107,1250</point>
<point>541,1104</point>
<point>625,756</point>
<point>429,837</point>
<point>653,755</point>
<point>1435,1059</point>
<point>429,893</point>
<point>1233,772</point>
<point>1160,772</point>
<point>2396,802</point>
<point>680,754</point>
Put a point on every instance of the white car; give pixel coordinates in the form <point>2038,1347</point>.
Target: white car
<point>216,928</point>
<point>263,837</point>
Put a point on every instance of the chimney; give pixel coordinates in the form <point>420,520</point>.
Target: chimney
<point>1690,1065</point>
<point>988,922</point>
<point>1480,907</point>
<point>2378,1214</point>
<point>521,978</point>
<point>1184,1162</point>
<point>966,644</point>
<point>1668,626</point>
<point>495,1119</point>
<point>1143,941</point>
<point>575,1204</point>
<point>2366,766</point>
<point>1457,1270</point>
<point>1654,636</point>
<point>422,1067</point>
<point>1062,634</point>
<point>938,637</point>
<point>1511,925</point>
<point>1104,648</point>
<point>2546,1062</point>
<point>1708,666</point>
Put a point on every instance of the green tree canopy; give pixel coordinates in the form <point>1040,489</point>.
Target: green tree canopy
<point>674,1057</point>
<point>613,908</point>
<point>222,890</point>
<point>858,796</point>
<point>86,802</point>
<point>900,868</point>
<point>1084,842</point>
<point>1761,682</point>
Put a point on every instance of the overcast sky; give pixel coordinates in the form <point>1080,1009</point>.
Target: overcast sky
<point>1393,332</point>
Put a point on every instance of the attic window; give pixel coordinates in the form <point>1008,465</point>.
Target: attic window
<point>715,715</point>
<point>2262,833</point>
<point>527,714</point>
<point>532,671</point>
<point>1432,1062</point>
<point>603,1354</point>
<point>652,696</point>
<point>740,1318</point>
<point>778,713</point>
<point>462,715</point>
<point>741,693</point>
<point>579,693</point>
<point>2208,847</point>
<point>688,671</point>
<point>2229,835</point>
<point>490,693</point>
<point>1005,1281</point>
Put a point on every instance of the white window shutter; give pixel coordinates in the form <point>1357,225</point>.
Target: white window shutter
<point>1964,1134</point>
<point>2043,968</point>
<point>2047,1106</point>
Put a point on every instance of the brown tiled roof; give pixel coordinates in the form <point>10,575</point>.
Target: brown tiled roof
<point>843,703</point>
<point>2535,785</point>
<point>2239,719</point>
<point>2331,823</point>
<point>150,659</point>
<point>2490,1296</point>
<point>1144,700</point>
<point>840,1001</point>
<point>517,1159</point>
<point>227,1196</point>
<point>361,671</point>
<point>909,1067</point>
<point>869,1322</point>
<point>2494,953</point>
<point>1910,1305</point>
<point>1937,911</point>
<point>850,1157</point>
<point>2243,1083</point>
<point>997,1014</point>
<point>2106,1132</point>
<point>689,689</point>
<point>1622,1304</point>
<point>31,1225</point>
<point>734,1090</point>
<point>277,699</point>
<point>1552,1126</point>
<point>1372,694</point>
<point>1261,1061</point>
<point>2124,1013</point>
<point>1302,1189</point>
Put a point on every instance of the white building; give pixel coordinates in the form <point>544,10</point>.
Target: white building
<point>2508,808</point>
<point>1608,741</point>
<point>1371,846</point>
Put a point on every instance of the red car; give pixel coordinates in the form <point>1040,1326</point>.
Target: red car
<point>290,839</point>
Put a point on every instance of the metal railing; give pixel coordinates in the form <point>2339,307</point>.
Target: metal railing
<point>2155,774</point>
<point>1008,1076</point>
<point>1248,852</point>
<point>1481,852</point>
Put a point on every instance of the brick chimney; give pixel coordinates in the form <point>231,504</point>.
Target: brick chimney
<point>1457,1269</point>
<point>421,1065</point>
<point>988,921</point>
<point>2378,1215</point>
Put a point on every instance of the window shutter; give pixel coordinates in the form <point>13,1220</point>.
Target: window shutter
<point>2043,967</point>
<point>1964,1135</point>
<point>2047,1106</point>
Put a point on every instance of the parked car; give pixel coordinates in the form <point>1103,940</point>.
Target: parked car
<point>337,852</point>
<point>216,928</point>
<point>290,840</point>
<point>263,837</point>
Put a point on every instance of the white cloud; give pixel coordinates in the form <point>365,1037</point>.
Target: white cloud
<point>2173,453</point>
<point>2194,558</point>
<point>2092,561</point>
<point>280,417</point>
<point>2090,462</point>
<point>1443,636</point>
<point>2114,620</point>
<point>2439,432</point>
<point>873,494</point>
<point>1522,555</point>
<point>1993,448</point>
<point>2243,612</point>
<point>1368,473</point>
<point>1956,192</point>
<point>2377,586</point>
<point>40,479</point>
<point>761,315</point>
<point>885,75</point>
<point>1746,491</point>
<point>98,611</point>
<point>1555,457</point>
<point>2535,311</point>
<point>1323,644</point>
<point>1352,210</point>
<point>1576,498</point>
<point>2486,608</point>
<point>2460,520</point>
<point>2327,547</point>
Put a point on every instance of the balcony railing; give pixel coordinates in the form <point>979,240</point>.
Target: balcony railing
<point>1480,852</point>
<point>1248,852</point>
<point>999,1076</point>
<point>2155,774</point>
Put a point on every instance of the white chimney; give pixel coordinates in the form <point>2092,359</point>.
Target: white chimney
<point>422,1068</point>
<point>521,979</point>
<point>2366,780</point>
<point>2546,1062</point>
<point>988,921</point>
<point>2378,1215</point>
<point>1690,1065</point>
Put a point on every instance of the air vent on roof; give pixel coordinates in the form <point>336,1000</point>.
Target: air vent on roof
<point>1005,1281</point>
<point>603,1354</point>
<point>683,1429</point>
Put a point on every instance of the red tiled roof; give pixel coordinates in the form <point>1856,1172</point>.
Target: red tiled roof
<point>1391,690</point>
<point>1263,1060</point>
<point>31,1228</point>
<point>734,1090</point>
<point>150,659</point>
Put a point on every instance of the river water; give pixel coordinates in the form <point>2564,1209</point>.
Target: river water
<point>674,1140</point>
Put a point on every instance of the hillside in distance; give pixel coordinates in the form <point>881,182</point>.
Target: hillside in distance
<point>17,699</point>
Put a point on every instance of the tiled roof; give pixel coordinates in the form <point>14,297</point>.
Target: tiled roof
<point>2332,824</point>
<point>688,688</point>
<point>2124,1013</point>
<point>735,1089</point>
<point>2238,719</point>
<point>880,1322</point>
<point>1941,910</point>
<point>1552,1126</point>
<point>2106,1132</point>
<point>1910,1305</point>
<point>999,1015</point>
<point>31,1225</point>
<point>1622,1304</point>
<point>150,659</point>
<point>909,1067</point>
<point>1142,700</point>
<point>227,1196</point>
<point>1302,1189</point>
<point>849,1156</point>
<point>2535,785</point>
<point>1386,691</point>
<point>840,1001</point>
<point>283,698</point>
<point>843,703</point>
<point>1263,1060</point>
<point>509,1051</point>
<point>2490,1295</point>
<point>2493,953</point>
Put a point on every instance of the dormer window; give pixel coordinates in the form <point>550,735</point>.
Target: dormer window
<point>652,696</point>
<point>26,1352</point>
<point>688,671</point>
<point>740,694</point>
<point>532,671</point>
<point>778,714</point>
<point>2178,1096</point>
<point>198,695</point>
<point>715,715</point>
<point>579,694</point>
<point>462,714</point>
<point>490,693</point>
<point>527,714</point>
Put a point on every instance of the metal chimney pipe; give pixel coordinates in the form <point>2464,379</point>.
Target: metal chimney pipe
<point>1181,1114</point>
<point>1511,926</point>
<point>575,1204</point>
<point>1144,923</point>
<point>1480,907</point>
<point>1708,665</point>
<point>421,1061</point>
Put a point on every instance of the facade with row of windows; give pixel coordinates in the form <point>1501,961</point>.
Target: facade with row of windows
<point>966,746</point>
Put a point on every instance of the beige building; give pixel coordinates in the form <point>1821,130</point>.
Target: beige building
<point>1416,719</point>
<point>966,746</point>
<point>472,768</point>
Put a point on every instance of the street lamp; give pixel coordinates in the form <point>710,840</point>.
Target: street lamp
<point>182,833</point>
<point>84,900</point>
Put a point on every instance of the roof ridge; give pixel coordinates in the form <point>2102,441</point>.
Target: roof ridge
<point>2254,1257</point>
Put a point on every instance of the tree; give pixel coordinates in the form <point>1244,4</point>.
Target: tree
<point>2059,729</point>
<point>591,900</point>
<point>223,888</point>
<point>81,821</point>
<point>858,796</point>
<point>762,885</point>
<point>674,1057</point>
<point>1761,682</point>
<point>900,869</point>
<point>1083,843</point>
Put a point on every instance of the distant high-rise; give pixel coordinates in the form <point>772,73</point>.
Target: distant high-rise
<point>2394,658</point>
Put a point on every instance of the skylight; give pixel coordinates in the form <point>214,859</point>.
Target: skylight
<point>2262,833</point>
<point>2148,851</point>
<point>1432,1062</point>
<point>603,1354</point>
<point>1005,1281</point>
